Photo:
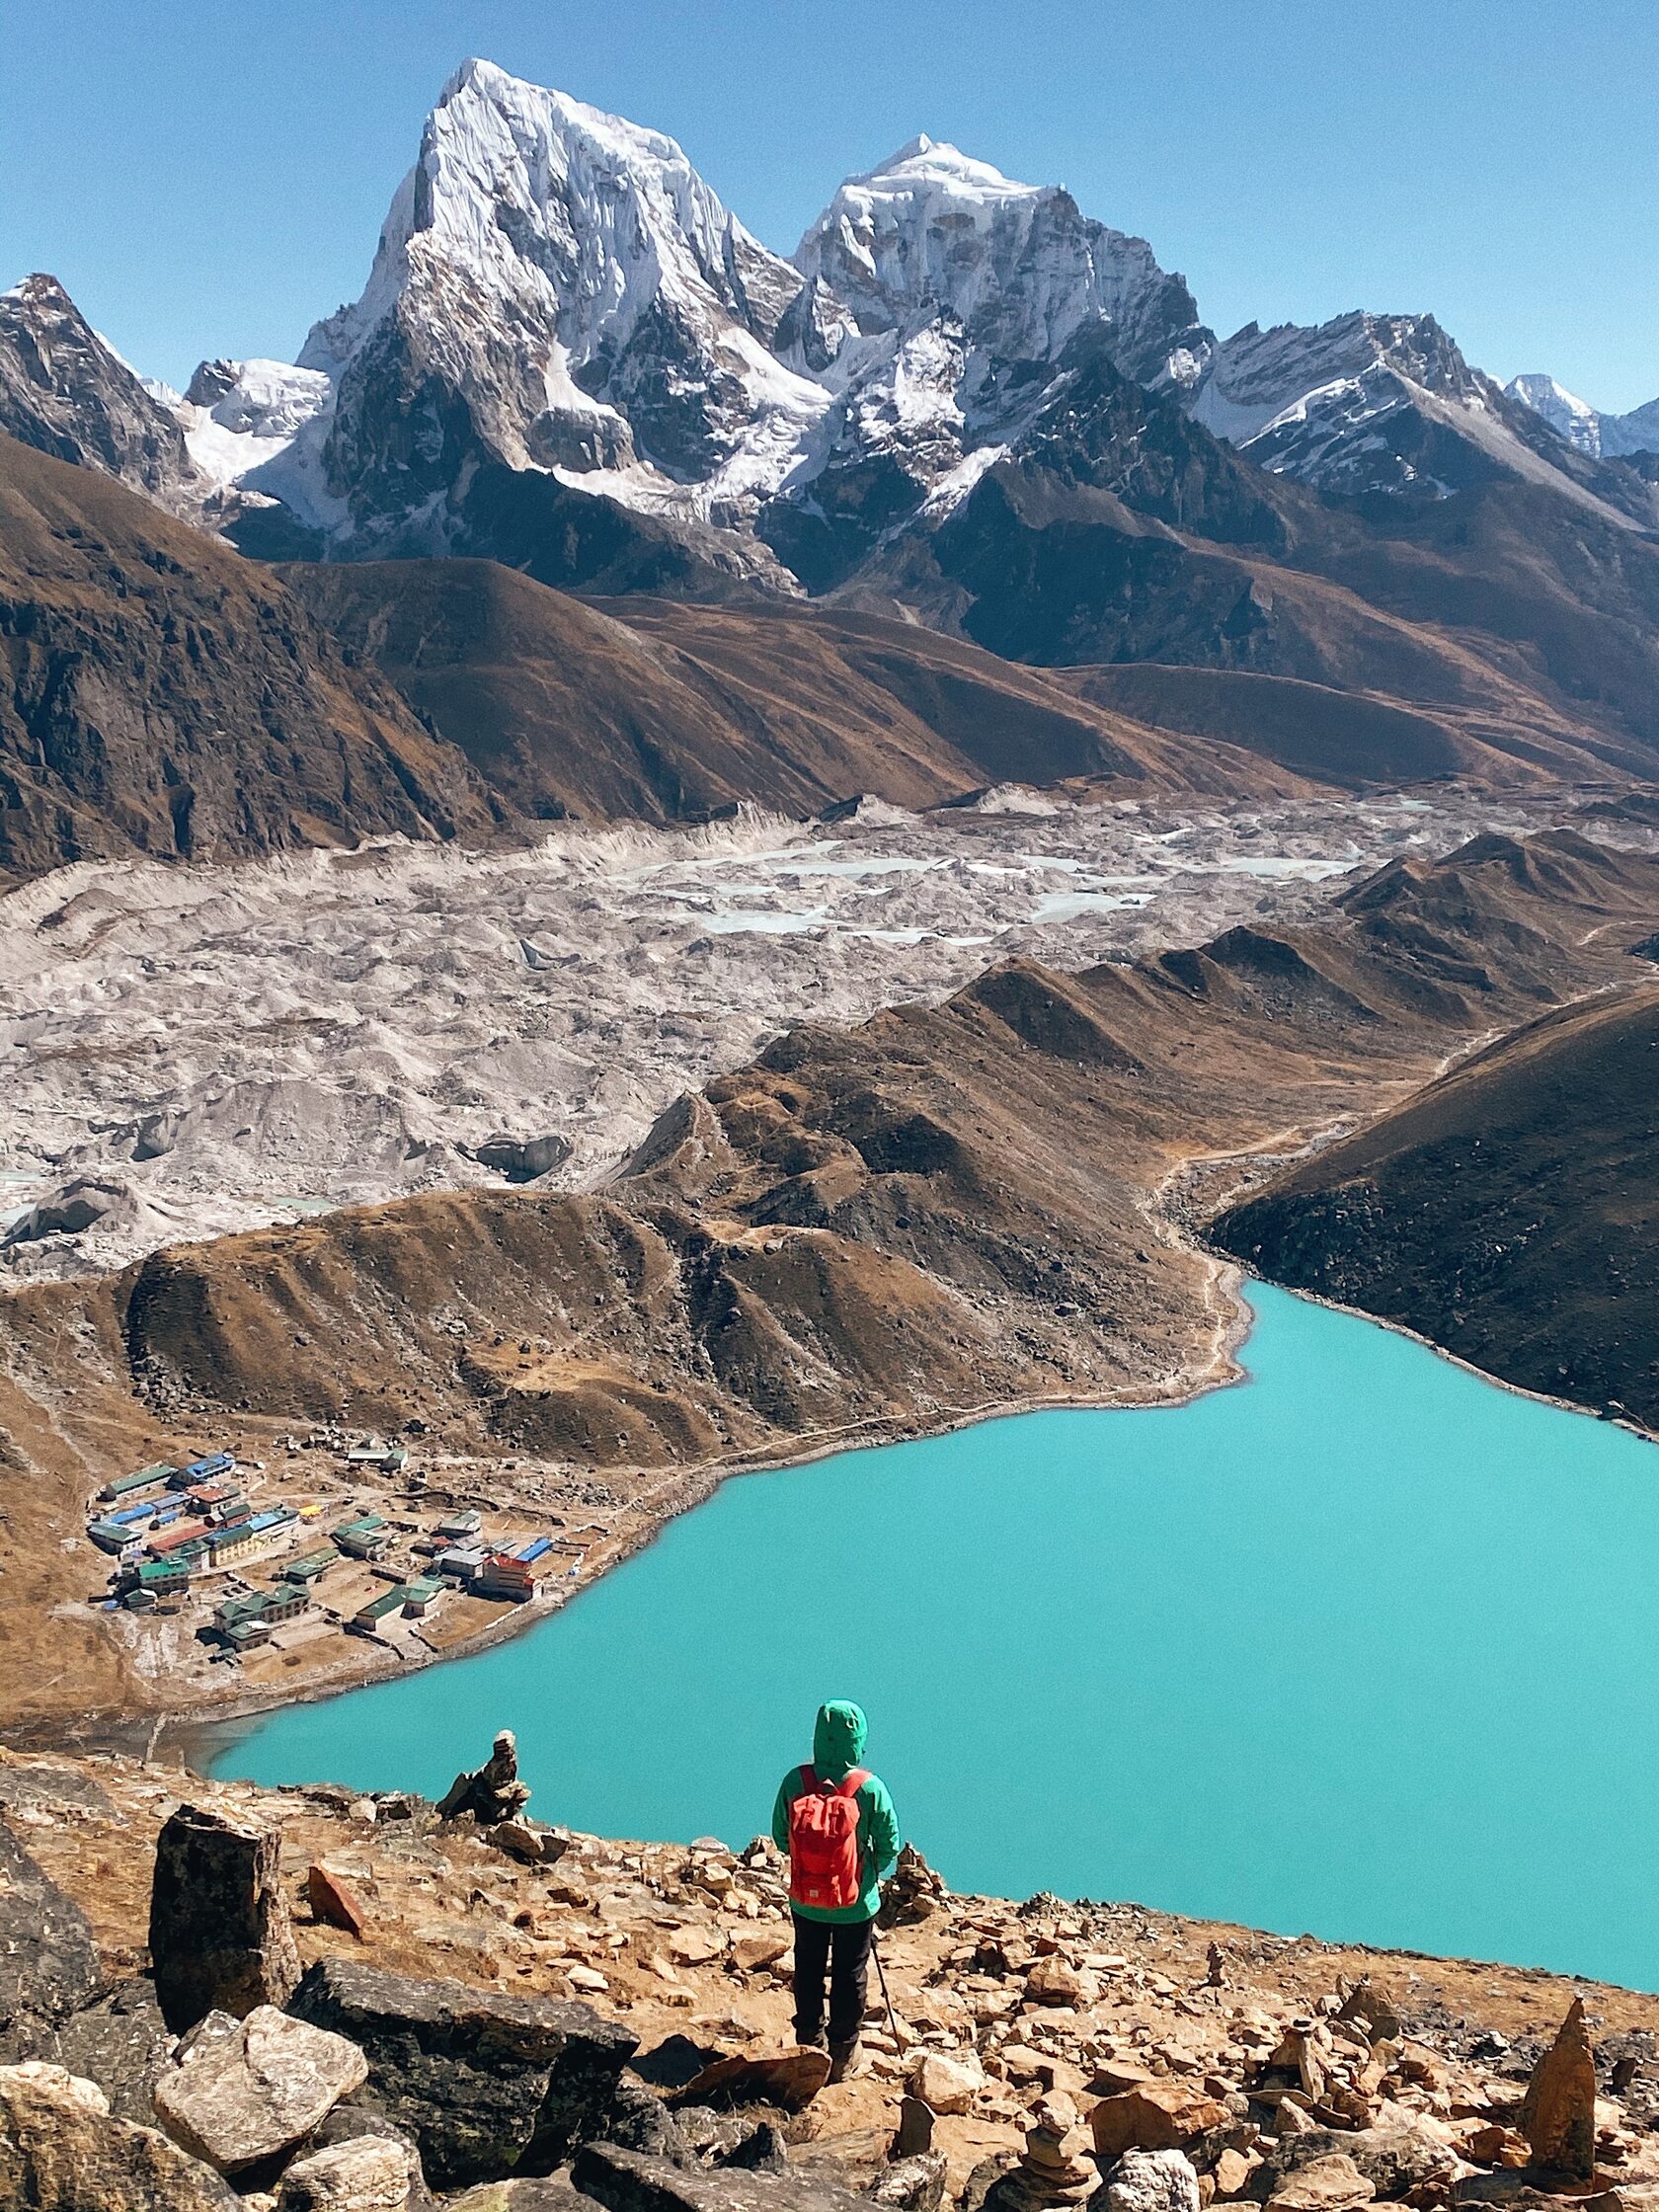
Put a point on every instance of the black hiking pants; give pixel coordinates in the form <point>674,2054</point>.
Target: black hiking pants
<point>842,1949</point>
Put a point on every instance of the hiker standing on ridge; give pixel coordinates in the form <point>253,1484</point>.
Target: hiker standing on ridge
<point>838,1824</point>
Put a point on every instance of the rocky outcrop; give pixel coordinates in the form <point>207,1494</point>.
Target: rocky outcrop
<point>491,1793</point>
<point>220,1936</point>
<point>60,2151</point>
<point>245,2090</point>
<point>1559,2113</point>
<point>48,1965</point>
<point>484,2084</point>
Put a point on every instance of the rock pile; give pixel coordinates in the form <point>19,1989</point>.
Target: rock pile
<point>607,2024</point>
<point>491,1793</point>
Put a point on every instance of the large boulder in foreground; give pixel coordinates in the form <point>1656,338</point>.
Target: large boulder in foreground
<point>630,2181</point>
<point>220,1936</point>
<point>245,2089</point>
<point>1154,2115</point>
<point>60,2151</point>
<point>48,1963</point>
<point>487,2085</point>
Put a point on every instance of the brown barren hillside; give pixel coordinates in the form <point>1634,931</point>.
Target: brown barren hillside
<point>660,710</point>
<point>867,1233</point>
<point>161,695</point>
<point>1510,1212</point>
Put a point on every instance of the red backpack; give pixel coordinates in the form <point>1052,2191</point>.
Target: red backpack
<point>823,1841</point>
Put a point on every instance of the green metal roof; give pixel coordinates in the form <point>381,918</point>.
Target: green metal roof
<point>304,1567</point>
<point>161,1571</point>
<point>142,1481</point>
<point>378,1609</point>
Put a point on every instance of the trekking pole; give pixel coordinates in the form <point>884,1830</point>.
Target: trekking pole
<point>881,1976</point>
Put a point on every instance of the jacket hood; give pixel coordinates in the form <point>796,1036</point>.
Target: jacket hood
<point>839,1739</point>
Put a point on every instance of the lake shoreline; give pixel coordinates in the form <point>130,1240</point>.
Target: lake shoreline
<point>1199,1603</point>
<point>196,1735</point>
<point>190,1732</point>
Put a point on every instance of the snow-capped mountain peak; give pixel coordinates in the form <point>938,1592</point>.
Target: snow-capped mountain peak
<point>1570,416</point>
<point>573,282</point>
<point>559,303</point>
<point>933,231</point>
<point>1586,428</point>
<point>534,195</point>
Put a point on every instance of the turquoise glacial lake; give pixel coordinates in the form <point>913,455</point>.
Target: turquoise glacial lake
<point>1365,1646</point>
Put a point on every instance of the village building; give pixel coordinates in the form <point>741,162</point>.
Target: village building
<point>456,1528</point>
<point>162,1578</point>
<point>505,1575</point>
<point>129,1487</point>
<point>381,1610</point>
<point>366,1538</point>
<point>167,1544</point>
<point>421,1596</point>
<point>249,1620</point>
<point>308,1568</point>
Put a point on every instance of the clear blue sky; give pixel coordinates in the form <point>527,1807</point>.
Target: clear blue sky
<point>209,176</point>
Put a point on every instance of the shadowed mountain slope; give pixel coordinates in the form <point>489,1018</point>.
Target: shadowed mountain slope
<point>658,709</point>
<point>160,695</point>
<point>1510,1212</point>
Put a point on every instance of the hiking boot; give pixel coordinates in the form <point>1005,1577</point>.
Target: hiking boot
<point>843,2057</point>
<point>815,2042</point>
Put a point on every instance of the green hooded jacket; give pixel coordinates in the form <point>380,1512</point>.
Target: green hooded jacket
<point>837,1747</point>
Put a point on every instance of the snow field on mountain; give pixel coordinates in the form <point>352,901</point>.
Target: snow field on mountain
<point>192,1052</point>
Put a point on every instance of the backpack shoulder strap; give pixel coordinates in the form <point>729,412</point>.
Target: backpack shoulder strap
<point>808,1778</point>
<point>853,1781</point>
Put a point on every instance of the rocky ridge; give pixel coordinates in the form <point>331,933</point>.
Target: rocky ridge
<point>1507,1213</point>
<point>66,392</point>
<point>518,2017</point>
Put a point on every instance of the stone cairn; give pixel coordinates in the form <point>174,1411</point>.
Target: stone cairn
<point>491,1793</point>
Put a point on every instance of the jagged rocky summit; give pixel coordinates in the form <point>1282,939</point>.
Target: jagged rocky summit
<point>570,355</point>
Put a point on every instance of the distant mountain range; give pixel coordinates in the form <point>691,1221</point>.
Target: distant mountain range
<point>1582,426</point>
<point>557,294</point>
<point>962,399</point>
